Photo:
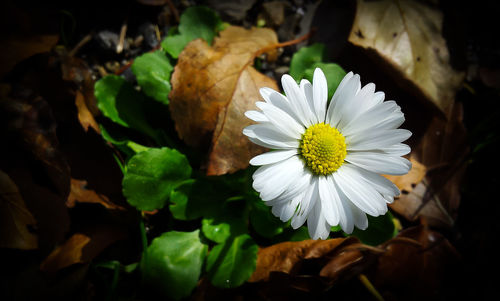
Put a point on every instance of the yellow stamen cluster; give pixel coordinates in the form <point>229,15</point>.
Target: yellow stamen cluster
<point>323,148</point>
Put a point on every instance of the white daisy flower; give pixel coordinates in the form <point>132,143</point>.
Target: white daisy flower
<point>327,159</point>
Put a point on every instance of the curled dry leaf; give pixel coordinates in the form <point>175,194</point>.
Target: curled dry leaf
<point>406,34</point>
<point>81,194</point>
<point>442,150</point>
<point>212,87</point>
<point>15,218</point>
<point>82,247</point>
<point>338,255</point>
<point>414,264</point>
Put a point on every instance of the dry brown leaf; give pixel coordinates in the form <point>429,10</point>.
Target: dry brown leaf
<point>80,194</point>
<point>15,218</point>
<point>407,35</point>
<point>287,257</point>
<point>66,254</point>
<point>212,87</point>
<point>414,265</point>
<point>442,150</point>
<point>82,247</point>
<point>84,116</point>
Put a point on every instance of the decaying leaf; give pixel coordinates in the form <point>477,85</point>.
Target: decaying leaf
<point>212,87</point>
<point>406,34</point>
<point>81,247</point>
<point>414,264</point>
<point>289,257</point>
<point>84,115</point>
<point>15,218</point>
<point>81,194</point>
<point>66,254</point>
<point>442,150</point>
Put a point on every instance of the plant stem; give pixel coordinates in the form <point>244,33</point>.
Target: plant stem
<point>369,286</point>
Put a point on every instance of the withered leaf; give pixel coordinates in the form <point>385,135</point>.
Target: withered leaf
<point>212,87</point>
<point>66,254</point>
<point>414,264</point>
<point>80,193</point>
<point>442,150</point>
<point>82,247</point>
<point>288,257</point>
<point>15,218</point>
<point>407,182</point>
<point>406,34</point>
<point>84,115</point>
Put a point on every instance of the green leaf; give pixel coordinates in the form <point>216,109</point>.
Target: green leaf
<point>173,263</point>
<point>231,263</point>
<point>152,175</point>
<point>228,221</point>
<point>333,73</point>
<point>196,22</point>
<point>380,229</point>
<point>120,102</point>
<point>305,59</point>
<point>263,221</point>
<point>152,71</point>
<point>196,198</point>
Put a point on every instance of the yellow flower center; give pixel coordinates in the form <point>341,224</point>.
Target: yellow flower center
<point>323,148</point>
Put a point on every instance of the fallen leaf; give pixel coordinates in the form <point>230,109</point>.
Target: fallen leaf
<point>82,247</point>
<point>442,150</point>
<point>15,218</point>
<point>407,36</point>
<point>81,194</point>
<point>66,254</point>
<point>414,265</point>
<point>212,87</point>
<point>288,257</point>
<point>84,116</point>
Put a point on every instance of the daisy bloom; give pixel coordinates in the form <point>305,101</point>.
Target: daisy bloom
<point>326,160</point>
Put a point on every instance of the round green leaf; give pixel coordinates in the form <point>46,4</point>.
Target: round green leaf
<point>196,198</point>
<point>196,22</point>
<point>305,59</point>
<point>215,231</point>
<point>120,102</point>
<point>151,175</point>
<point>263,221</point>
<point>173,262</point>
<point>152,71</point>
<point>231,263</point>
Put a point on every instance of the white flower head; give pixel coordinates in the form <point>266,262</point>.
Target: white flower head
<point>326,160</point>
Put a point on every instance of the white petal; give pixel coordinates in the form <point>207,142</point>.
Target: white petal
<point>306,204</point>
<point>330,210</point>
<point>256,116</point>
<point>270,136</point>
<point>399,149</point>
<point>344,206</point>
<point>272,157</point>
<point>335,98</point>
<point>344,99</point>
<point>307,88</point>
<point>368,140</point>
<point>359,217</point>
<point>373,118</point>
<point>379,163</point>
<point>280,101</point>
<point>383,185</point>
<point>290,209</point>
<point>281,120</point>
<point>296,188</point>
<point>297,99</point>
<point>320,94</point>
<point>316,223</point>
<point>357,105</point>
<point>274,181</point>
<point>360,195</point>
